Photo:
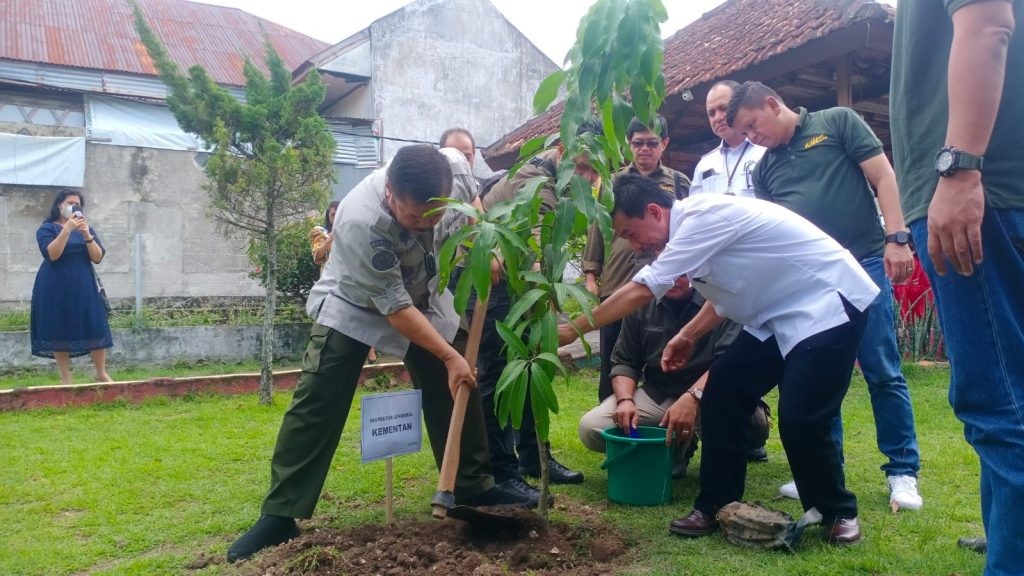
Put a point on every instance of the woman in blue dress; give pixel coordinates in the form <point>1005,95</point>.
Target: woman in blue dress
<point>69,318</point>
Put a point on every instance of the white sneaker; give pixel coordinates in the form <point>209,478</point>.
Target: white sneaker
<point>903,493</point>
<point>789,490</point>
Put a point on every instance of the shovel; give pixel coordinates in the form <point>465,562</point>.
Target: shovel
<point>443,504</point>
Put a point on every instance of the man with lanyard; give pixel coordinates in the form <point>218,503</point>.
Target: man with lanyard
<point>669,400</point>
<point>621,263</point>
<point>727,169</point>
<point>957,112</point>
<point>823,165</point>
<point>802,301</point>
<point>379,288</point>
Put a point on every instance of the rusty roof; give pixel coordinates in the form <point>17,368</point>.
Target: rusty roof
<point>734,36</point>
<point>100,35</point>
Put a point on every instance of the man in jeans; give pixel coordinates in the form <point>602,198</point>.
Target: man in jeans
<point>957,80</point>
<point>823,165</point>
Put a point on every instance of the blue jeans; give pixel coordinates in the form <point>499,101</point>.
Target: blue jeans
<point>879,357</point>
<point>982,319</point>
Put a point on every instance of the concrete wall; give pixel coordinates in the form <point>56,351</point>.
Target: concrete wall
<point>444,63</point>
<point>169,345</point>
<point>155,194</point>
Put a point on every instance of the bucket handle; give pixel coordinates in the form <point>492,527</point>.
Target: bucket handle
<point>625,452</point>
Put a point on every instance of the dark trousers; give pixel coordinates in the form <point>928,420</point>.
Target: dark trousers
<point>609,335</point>
<point>503,441</point>
<point>812,379</point>
<point>313,424</point>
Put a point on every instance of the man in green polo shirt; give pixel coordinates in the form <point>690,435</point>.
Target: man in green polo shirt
<point>605,274</point>
<point>823,165</point>
<point>957,85</point>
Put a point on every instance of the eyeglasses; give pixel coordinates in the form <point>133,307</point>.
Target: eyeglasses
<point>652,144</point>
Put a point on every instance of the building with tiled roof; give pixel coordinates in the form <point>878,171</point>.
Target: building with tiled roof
<point>815,53</point>
<point>81,107</point>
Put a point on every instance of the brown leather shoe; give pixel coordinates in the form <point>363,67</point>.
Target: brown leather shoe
<point>695,525</point>
<point>843,532</point>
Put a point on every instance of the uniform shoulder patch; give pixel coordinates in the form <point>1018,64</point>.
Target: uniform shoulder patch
<point>384,260</point>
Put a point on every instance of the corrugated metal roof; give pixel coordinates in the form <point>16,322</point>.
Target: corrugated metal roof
<point>100,35</point>
<point>732,37</point>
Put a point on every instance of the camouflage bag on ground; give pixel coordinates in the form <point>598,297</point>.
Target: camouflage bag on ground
<point>753,526</point>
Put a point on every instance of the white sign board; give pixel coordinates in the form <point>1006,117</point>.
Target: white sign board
<point>391,425</point>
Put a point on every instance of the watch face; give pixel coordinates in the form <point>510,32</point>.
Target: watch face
<point>944,161</point>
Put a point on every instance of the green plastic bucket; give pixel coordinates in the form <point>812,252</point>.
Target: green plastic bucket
<point>640,468</point>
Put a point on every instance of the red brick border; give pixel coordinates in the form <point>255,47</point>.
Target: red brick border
<point>138,390</point>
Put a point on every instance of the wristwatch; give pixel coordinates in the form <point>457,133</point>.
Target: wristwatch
<point>901,238</point>
<point>950,160</point>
<point>697,393</point>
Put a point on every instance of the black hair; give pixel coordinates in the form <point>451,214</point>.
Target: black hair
<point>327,215</point>
<point>750,94</point>
<point>659,122</point>
<point>419,173</point>
<point>451,132</point>
<point>62,195</point>
<point>634,192</point>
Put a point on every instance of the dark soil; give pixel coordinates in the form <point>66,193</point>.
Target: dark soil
<point>449,547</point>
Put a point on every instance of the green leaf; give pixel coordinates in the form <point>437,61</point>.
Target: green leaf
<point>523,304</point>
<point>532,146</point>
<point>480,256</point>
<point>512,340</point>
<point>547,91</point>
<point>540,384</point>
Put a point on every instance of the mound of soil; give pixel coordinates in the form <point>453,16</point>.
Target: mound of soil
<point>448,547</point>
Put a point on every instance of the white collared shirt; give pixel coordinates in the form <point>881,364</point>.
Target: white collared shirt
<point>761,265</point>
<point>727,170</point>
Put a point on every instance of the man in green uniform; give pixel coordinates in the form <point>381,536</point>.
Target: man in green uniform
<point>957,113</point>
<point>504,443</point>
<point>622,263</point>
<point>823,166</point>
<point>379,288</point>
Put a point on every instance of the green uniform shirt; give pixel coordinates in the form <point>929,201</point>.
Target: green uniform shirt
<point>622,263</point>
<point>637,353</point>
<point>817,174</point>
<point>543,164</point>
<point>919,106</point>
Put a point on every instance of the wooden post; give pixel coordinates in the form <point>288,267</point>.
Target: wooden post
<point>389,499</point>
<point>844,91</point>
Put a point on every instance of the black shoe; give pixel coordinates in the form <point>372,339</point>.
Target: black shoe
<point>757,454</point>
<point>557,473</point>
<point>266,532</point>
<point>513,492</point>
<point>979,545</point>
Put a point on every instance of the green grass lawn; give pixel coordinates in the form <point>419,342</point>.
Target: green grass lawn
<point>148,489</point>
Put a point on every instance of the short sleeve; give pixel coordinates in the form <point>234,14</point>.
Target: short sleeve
<point>374,273</point>
<point>859,140</point>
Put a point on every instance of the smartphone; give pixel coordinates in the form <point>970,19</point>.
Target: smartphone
<point>76,209</point>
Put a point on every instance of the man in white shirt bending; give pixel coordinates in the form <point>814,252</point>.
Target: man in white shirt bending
<point>801,298</point>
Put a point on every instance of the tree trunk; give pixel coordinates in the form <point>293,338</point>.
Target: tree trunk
<point>269,307</point>
<point>544,452</point>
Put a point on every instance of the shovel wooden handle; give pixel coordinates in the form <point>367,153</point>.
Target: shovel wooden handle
<point>452,447</point>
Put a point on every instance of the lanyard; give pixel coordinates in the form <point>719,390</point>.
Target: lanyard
<point>731,173</point>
